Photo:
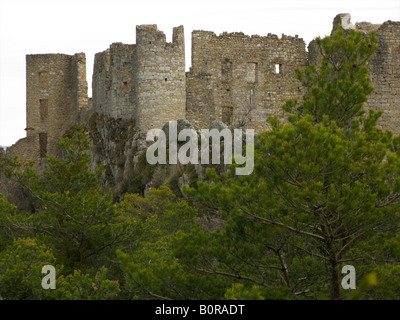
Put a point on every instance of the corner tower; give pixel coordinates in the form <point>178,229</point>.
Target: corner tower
<point>56,89</point>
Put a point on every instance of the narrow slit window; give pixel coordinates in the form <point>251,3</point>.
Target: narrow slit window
<point>251,97</point>
<point>278,68</point>
<point>42,144</point>
<point>126,77</point>
<point>44,108</point>
<point>227,115</point>
<point>43,78</point>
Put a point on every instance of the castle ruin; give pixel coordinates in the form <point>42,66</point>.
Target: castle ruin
<point>234,78</point>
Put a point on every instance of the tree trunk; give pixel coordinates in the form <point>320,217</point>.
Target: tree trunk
<point>334,276</point>
<point>335,285</point>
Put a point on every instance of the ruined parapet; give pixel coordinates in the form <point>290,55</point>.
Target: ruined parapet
<point>159,77</point>
<point>367,26</point>
<point>344,20</point>
<point>56,89</point>
<point>240,79</point>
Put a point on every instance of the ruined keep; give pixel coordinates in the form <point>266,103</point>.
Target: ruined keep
<point>234,78</point>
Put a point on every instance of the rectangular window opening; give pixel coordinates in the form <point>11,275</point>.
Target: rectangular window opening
<point>44,109</point>
<point>126,87</point>
<point>226,71</point>
<point>278,68</point>
<point>42,144</point>
<point>43,78</point>
<point>227,115</point>
<point>251,74</point>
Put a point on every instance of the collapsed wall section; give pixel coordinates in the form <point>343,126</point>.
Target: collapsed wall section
<point>241,80</point>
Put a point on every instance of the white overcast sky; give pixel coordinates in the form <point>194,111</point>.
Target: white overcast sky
<point>90,26</point>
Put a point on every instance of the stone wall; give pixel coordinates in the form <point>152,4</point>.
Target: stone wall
<point>113,89</point>
<point>384,69</point>
<point>26,149</point>
<point>241,80</point>
<point>237,79</point>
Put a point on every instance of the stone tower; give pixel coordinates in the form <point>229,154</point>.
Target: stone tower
<point>159,77</point>
<point>56,89</point>
<point>143,81</point>
<point>112,83</point>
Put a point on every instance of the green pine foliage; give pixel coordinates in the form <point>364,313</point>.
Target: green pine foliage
<point>324,193</point>
<point>339,86</point>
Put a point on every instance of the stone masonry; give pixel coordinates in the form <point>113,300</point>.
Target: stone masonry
<point>384,68</point>
<point>241,80</point>
<point>56,92</point>
<point>145,81</point>
<point>234,78</point>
